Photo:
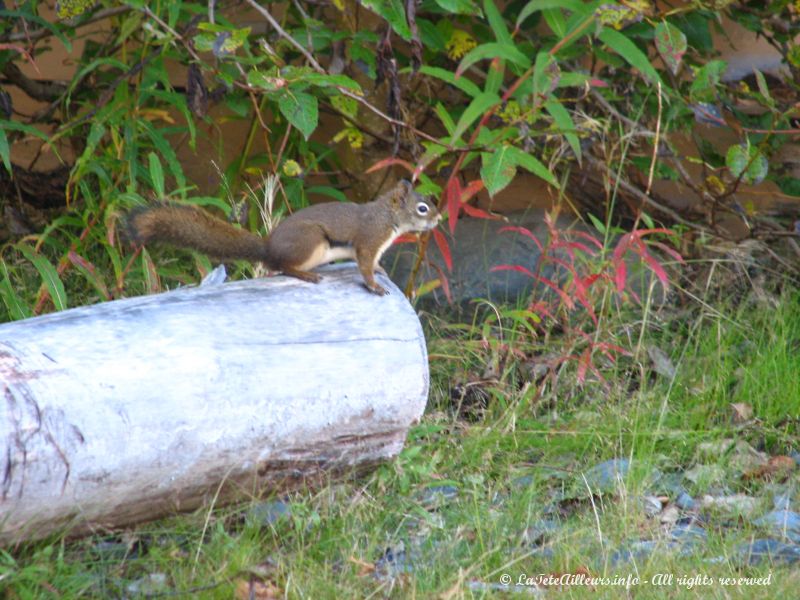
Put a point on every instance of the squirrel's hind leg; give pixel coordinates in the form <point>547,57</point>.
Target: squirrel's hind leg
<point>304,275</point>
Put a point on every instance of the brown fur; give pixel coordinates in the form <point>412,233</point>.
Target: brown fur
<point>310,237</point>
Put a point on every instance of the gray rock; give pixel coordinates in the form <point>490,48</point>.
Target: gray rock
<point>781,522</point>
<point>769,550</point>
<point>437,495</point>
<point>604,477</point>
<point>148,585</point>
<point>268,513</point>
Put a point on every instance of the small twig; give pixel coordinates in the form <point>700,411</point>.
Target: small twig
<point>37,34</point>
<point>631,189</point>
<point>655,144</point>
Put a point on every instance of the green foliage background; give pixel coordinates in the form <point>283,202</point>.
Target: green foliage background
<point>468,94</point>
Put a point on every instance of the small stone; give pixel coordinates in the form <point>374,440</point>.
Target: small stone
<point>781,522</point>
<point>688,534</point>
<point>395,561</point>
<point>268,513</point>
<point>705,475</point>
<point>741,413</point>
<point>148,585</point>
<point>539,531</point>
<point>771,550</point>
<point>641,550</point>
<point>735,504</point>
<point>652,505</point>
<point>685,501</point>
<point>604,476</point>
<point>437,494</point>
<point>670,515</point>
<point>662,364</point>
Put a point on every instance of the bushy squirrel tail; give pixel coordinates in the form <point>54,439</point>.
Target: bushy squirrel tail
<point>190,227</point>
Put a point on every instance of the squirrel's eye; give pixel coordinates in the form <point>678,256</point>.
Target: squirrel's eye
<point>422,208</point>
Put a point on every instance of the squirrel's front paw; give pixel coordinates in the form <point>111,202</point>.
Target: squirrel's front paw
<point>377,289</point>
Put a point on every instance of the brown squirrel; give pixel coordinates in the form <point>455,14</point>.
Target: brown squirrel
<point>311,237</point>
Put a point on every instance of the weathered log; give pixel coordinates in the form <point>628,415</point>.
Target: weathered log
<point>134,409</point>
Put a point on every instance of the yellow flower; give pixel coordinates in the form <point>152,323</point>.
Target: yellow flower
<point>354,137</point>
<point>291,168</point>
<point>459,44</point>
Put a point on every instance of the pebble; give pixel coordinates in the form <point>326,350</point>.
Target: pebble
<point>604,476</point>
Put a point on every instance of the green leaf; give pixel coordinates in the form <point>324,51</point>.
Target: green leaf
<point>462,83</point>
<point>265,80</point>
<point>166,151</point>
<point>459,7</point>
<point>301,110</point>
<point>15,306</point>
<point>5,151</point>
<point>705,81</point>
<point>477,108</point>
<point>29,129</point>
<point>49,276</point>
<point>630,52</point>
<point>598,224</point>
<point>339,81</point>
<point>493,50</point>
<point>156,174</point>
<point>565,123</point>
<point>498,169</point>
<point>497,23</point>
<point>671,45</point>
<point>532,164</point>
<point>445,118</point>
<point>535,5</point>
<point>763,88</point>
<point>748,162</point>
<point>556,21</point>
<point>494,77</point>
<point>546,74</point>
<point>394,12</point>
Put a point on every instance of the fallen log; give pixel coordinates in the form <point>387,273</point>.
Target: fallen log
<point>135,409</point>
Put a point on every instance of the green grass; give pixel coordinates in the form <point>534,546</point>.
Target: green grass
<point>524,454</point>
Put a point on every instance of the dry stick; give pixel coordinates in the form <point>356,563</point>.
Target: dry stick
<point>655,144</point>
<point>599,165</point>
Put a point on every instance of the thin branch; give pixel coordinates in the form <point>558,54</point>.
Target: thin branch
<point>44,32</point>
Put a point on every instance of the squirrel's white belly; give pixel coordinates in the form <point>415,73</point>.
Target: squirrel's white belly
<point>324,254</point>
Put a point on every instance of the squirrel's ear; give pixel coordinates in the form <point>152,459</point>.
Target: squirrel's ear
<point>403,190</point>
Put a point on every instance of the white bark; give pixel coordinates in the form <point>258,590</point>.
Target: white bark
<point>133,409</point>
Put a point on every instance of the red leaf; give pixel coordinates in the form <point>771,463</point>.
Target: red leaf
<point>589,238</point>
<point>656,267</point>
<point>406,238</point>
<point>388,162</point>
<point>621,275</point>
<point>639,233</point>
<point>444,248</point>
<point>561,293</point>
<point>452,195</point>
<point>518,268</point>
<point>473,187</point>
<point>445,283</point>
<point>582,247</point>
<point>622,248</point>
<point>667,250</point>
<point>583,365</point>
<point>597,83</point>
<point>474,211</point>
<point>526,232</point>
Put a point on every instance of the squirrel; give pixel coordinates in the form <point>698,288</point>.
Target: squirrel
<point>308,238</point>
